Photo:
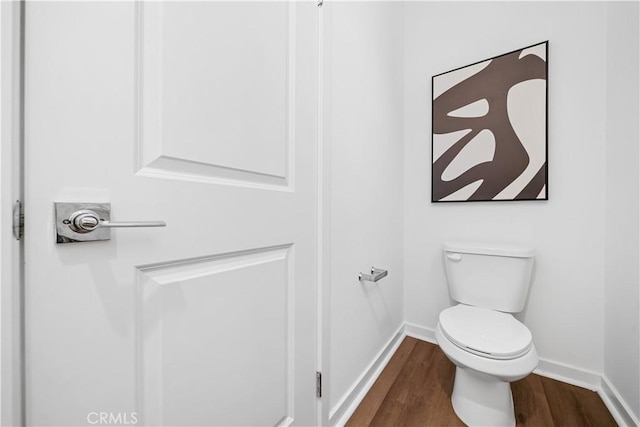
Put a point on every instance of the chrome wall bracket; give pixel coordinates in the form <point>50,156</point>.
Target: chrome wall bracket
<point>376,274</point>
<point>88,222</point>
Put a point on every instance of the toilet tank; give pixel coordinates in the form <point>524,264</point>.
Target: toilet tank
<point>489,276</point>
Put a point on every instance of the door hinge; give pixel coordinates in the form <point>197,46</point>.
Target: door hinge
<point>18,220</point>
<point>318,384</point>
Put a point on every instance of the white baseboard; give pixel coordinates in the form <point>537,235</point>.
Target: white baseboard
<point>615,403</point>
<point>568,374</point>
<point>420,332</point>
<point>342,411</point>
<point>591,381</point>
<point>620,411</point>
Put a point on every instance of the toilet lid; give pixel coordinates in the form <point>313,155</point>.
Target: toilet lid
<point>485,332</point>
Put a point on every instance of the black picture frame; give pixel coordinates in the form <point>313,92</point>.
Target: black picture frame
<point>489,122</point>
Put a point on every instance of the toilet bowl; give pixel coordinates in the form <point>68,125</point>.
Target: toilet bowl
<point>482,393</point>
<point>489,346</point>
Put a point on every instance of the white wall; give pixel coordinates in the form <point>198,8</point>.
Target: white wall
<point>565,311</point>
<point>363,128</point>
<point>621,287</point>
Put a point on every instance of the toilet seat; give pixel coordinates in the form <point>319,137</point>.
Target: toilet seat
<point>484,332</point>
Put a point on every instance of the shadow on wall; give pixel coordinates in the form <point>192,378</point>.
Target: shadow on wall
<point>377,304</point>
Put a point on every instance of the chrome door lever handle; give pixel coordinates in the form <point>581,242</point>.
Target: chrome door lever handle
<point>86,220</point>
<point>132,224</point>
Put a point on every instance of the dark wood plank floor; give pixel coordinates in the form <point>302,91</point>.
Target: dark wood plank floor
<point>415,388</point>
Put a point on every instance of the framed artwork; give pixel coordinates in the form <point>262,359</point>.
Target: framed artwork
<point>489,129</point>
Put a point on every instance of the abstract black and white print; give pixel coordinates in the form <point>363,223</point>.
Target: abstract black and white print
<point>489,124</point>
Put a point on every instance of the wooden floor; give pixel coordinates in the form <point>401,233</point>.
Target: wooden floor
<point>415,388</point>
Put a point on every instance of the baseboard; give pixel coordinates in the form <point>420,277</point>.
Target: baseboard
<point>591,381</point>
<point>342,411</point>
<point>615,403</point>
<point>568,374</point>
<point>420,332</point>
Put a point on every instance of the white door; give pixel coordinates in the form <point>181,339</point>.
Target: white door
<point>202,115</point>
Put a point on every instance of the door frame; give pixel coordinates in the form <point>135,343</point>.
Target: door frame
<point>11,189</point>
<point>324,214</point>
<point>323,229</point>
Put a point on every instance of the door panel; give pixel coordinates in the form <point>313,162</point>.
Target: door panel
<point>203,115</point>
<point>191,298</point>
<point>229,118</point>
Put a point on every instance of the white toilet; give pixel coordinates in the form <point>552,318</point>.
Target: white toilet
<point>489,347</point>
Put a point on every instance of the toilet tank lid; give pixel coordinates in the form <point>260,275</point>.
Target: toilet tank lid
<point>498,249</point>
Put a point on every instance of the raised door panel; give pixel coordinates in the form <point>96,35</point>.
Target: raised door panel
<point>215,340</point>
<point>216,91</point>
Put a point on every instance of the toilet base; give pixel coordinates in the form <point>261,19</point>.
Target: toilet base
<point>482,400</point>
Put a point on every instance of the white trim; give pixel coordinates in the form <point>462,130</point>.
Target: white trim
<point>568,374</point>
<point>619,409</point>
<point>11,372</point>
<point>343,410</point>
<point>321,215</point>
<point>420,332</point>
<point>324,179</point>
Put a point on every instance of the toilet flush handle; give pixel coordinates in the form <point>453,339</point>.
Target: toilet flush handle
<point>454,257</point>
